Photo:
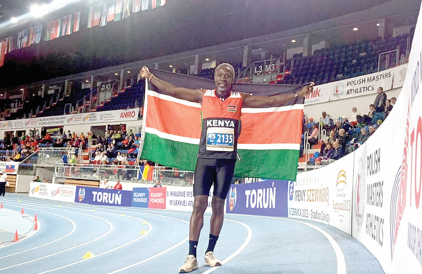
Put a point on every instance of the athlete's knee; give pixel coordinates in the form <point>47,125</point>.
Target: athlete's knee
<point>200,204</point>
<point>217,204</point>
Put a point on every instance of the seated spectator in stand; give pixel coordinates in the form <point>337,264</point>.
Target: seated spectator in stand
<point>342,139</point>
<point>130,133</point>
<point>47,138</point>
<point>58,142</point>
<point>157,184</point>
<point>74,136</point>
<point>107,185</point>
<point>338,151</point>
<point>345,124</point>
<point>313,138</point>
<point>371,130</point>
<point>97,158</point>
<point>368,118</point>
<point>117,136</point>
<point>111,151</point>
<point>393,101</point>
<point>82,136</point>
<point>64,137</point>
<point>104,159</point>
<point>328,151</point>
<point>354,117</point>
<point>388,108</point>
<point>120,159</point>
<point>17,157</point>
<point>69,135</point>
<point>72,159</point>
<point>118,185</point>
<point>64,157</point>
<point>37,179</point>
<point>129,144</point>
<point>325,121</point>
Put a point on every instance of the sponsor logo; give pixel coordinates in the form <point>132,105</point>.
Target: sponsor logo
<point>70,119</point>
<point>232,108</point>
<point>338,90</point>
<point>81,194</point>
<point>233,198</point>
<point>314,94</point>
<point>127,114</point>
<point>10,168</point>
<point>341,183</point>
<point>35,190</point>
<point>291,190</point>
<point>28,123</point>
<point>86,118</point>
<point>56,192</point>
<point>360,194</point>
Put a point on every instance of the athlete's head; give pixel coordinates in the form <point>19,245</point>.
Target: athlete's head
<point>223,76</point>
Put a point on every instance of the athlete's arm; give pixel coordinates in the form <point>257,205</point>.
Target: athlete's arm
<point>193,95</point>
<point>274,101</point>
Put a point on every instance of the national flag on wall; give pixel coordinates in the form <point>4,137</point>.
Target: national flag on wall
<point>158,3</point>
<point>66,27</point>
<point>75,21</point>
<point>104,14</point>
<point>94,16</point>
<point>38,33</point>
<point>146,4</point>
<point>12,43</point>
<point>268,144</point>
<point>126,9</point>
<point>136,5</point>
<point>2,52</point>
<point>53,30</point>
<point>146,172</point>
<point>111,8</point>
<point>118,10</point>
<point>19,43</point>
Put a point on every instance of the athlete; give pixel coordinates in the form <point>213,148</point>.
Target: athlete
<point>221,111</point>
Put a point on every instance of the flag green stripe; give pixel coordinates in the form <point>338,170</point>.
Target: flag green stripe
<point>183,156</point>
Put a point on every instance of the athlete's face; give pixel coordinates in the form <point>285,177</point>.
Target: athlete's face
<point>223,81</point>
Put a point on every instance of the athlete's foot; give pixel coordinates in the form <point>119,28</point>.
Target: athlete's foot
<point>190,264</point>
<point>211,260</point>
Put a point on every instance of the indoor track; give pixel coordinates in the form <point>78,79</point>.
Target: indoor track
<point>134,240</point>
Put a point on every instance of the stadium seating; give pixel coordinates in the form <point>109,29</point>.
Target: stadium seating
<point>130,98</point>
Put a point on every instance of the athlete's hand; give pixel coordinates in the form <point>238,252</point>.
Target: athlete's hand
<point>144,73</point>
<point>306,90</point>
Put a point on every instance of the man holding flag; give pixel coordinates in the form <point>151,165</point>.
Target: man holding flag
<point>221,112</point>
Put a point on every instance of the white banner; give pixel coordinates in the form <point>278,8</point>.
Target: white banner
<point>181,198</point>
<point>57,192</point>
<point>358,86</point>
<point>122,115</point>
<point>324,194</point>
<point>9,167</point>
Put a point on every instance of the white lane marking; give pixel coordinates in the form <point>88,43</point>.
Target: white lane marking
<point>39,227</point>
<point>341,262</point>
<point>54,254</point>
<point>108,251</point>
<point>237,252</point>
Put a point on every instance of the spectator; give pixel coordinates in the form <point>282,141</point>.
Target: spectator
<point>64,158</point>
<point>356,143</point>
<point>368,118</point>
<point>37,179</point>
<point>313,138</point>
<point>345,124</point>
<point>17,157</point>
<point>119,159</point>
<point>371,130</point>
<point>393,101</point>
<point>157,184</point>
<point>379,102</point>
<point>104,159</point>
<point>388,108</point>
<point>328,151</point>
<point>325,121</point>
<point>118,185</point>
<point>97,158</point>
<point>342,139</point>
<point>107,185</point>
<point>354,117</point>
<point>337,126</point>
<point>338,151</point>
<point>3,183</point>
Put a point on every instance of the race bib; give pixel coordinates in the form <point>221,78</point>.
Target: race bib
<point>220,139</point>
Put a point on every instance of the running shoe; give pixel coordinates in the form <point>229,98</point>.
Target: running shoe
<point>190,264</point>
<point>211,260</point>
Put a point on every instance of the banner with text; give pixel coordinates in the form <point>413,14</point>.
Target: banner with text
<point>140,197</point>
<point>99,196</point>
<point>157,197</point>
<point>57,192</point>
<point>181,198</point>
<point>265,198</point>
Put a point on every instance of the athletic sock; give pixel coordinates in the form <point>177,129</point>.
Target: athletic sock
<point>211,243</point>
<point>192,248</point>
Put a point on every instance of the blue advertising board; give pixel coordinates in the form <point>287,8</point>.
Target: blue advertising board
<point>99,196</point>
<point>266,198</point>
<point>140,197</point>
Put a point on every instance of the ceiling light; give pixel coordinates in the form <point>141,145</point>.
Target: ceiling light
<point>355,29</point>
<point>378,24</point>
<point>170,66</point>
<point>128,71</point>
<point>207,59</point>
<point>293,41</point>
<point>116,74</point>
<point>87,81</point>
<point>38,11</point>
<point>14,20</point>
<point>21,89</point>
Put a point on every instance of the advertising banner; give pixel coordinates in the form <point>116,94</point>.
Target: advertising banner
<point>320,94</point>
<point>57,192</point>
<point>9,167</point>
<point>181,198</point>
<point>140,197</point>
<point>266,198</point>
<point>157,197</point>
<point>99,196</point>
<point>324,195</point>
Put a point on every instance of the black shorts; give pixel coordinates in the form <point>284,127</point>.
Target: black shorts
<point>217,171</point>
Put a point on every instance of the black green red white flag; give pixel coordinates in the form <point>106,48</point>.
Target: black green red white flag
<point>268,144</point>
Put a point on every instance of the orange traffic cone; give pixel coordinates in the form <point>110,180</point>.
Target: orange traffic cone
<point>22,211</point>
<point>16,237</point>
<point>36,222</point>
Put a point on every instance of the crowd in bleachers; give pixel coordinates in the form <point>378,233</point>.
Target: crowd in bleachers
<point>345,134</point>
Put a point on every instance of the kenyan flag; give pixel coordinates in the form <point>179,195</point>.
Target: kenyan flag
<point>268,143</point>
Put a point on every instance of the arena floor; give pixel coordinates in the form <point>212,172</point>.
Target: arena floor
<point>134,240</point>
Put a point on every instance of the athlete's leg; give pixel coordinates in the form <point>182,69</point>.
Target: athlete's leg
<point>217,216</point>
<point>197,217</point>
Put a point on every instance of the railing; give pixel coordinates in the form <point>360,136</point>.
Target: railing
<point>50,156</point>
<point>261,71</point>
<point>29,165</point>
<point>124,173</point>
<point>7,154</point>
<point>388,59</point>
